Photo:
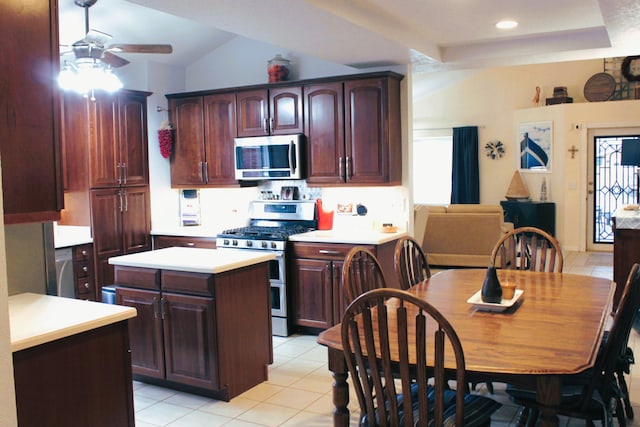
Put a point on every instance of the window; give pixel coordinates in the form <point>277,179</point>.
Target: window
<point>432,159</point>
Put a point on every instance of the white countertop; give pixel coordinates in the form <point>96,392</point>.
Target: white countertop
<point>355,237</point>
<point>195,260</point>
<point>627,219</point>
<point>38,319</point>
<point>189,231</point>
<point>71,235</point>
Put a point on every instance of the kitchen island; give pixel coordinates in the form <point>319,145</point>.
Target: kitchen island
<point>204,318</point>
<point>71,361</point>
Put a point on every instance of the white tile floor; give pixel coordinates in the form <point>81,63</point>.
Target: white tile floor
<point>298,392</point>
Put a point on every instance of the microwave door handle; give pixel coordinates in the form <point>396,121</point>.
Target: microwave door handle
<point>292,156</point>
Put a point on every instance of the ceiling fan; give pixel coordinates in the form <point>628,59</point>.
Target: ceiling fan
<point>92,47</point>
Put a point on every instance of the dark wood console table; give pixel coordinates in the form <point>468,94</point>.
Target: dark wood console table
<point>530,214</point>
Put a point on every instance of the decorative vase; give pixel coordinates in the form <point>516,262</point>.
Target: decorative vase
<point>491,289</point>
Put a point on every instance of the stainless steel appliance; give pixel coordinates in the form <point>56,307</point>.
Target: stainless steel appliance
<point>271,223</point>
<point>269,157</point>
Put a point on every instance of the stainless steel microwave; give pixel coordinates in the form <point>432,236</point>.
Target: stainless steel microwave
<point>269,157</point>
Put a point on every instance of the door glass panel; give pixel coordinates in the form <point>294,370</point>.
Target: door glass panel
<point>614,185</point>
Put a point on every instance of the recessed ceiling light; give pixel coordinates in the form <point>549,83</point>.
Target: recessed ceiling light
<point>506,24</point>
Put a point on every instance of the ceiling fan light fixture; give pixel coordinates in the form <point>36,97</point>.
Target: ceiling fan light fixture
<point>87,75</point>
<point>506,24</point>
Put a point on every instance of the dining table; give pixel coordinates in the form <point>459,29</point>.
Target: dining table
<point>551,328</point>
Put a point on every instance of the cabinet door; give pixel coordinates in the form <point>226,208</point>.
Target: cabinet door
<point>145,331</point>
<point>106,218</point>
<point>324,129</point>
<point>253,112</point>
<point>372,131</point>
<point>136,222</point>
<point>285,110</point>
<point>133,156</point>
<point>312,293</point>
<point>219,133</point>
<point>30,111</point>
<point>188,156</point>
<point>190,340</point>
<point>104,153</point>
<point>339,295</point>
<point>75,141</point>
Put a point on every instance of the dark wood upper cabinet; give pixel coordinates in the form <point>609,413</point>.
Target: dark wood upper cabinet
<point>372,131</point>
<point>118,150</point>
<point>353,132</point>
<point>30,111</point>
<point>324,131</point>
<point>219,133</point>
<point>274,111</point>
<point>188,146</point>
<point>351,124</point>
<point>205,127</point>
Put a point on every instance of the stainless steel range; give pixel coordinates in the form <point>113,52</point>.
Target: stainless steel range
<point>270,225</point>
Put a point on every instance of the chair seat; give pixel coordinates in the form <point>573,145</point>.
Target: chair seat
<point>477,409</point>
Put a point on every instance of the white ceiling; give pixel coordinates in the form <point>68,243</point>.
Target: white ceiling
<point>432,34</point>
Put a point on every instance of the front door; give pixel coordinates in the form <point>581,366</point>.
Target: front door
<point>610,185</point>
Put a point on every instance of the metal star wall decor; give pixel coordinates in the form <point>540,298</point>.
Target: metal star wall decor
<point>494,149</point>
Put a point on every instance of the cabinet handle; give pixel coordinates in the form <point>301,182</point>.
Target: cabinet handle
<point>86,285</point>
<point>83,252</point>
<point>265,125</point>
<point>190,244</point>
<point>202,171</point>
<point>206,171</point>
<point>120,196</point>
<point>85,269</point>
<point>124,173</point>
<point>118,171</point>
<point>126,202</point>
<point>270,124</point>
<point>340,168</point>
<point>155,307</point>
<point>346,166</point>
<point>329,252</point>
<point>163,313</point>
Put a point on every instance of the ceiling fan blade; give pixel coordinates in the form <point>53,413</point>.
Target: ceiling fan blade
<point>141,48</point>
<point>114,60</point>
<point>97,37</point>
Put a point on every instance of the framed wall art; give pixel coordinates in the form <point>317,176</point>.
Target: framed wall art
<point>536,143</point>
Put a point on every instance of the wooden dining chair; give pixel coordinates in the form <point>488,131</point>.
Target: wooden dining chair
<point>410,262</point>
<point>527,248</point>
<point>388,336</point>
<point>588,395</point>
<point>361,272</point>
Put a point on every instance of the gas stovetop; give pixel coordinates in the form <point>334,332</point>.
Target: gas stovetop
<point>271,224</point>
<point>264,233</point>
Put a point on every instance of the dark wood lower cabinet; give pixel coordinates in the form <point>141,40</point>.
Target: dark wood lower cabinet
<point>626,252</point>
<point>79,381</point>
<point>318,297</point>
<point>204,333</point>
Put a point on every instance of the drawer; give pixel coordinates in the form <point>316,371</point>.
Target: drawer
<point>188,283</point>
<point>81,269</point>
<point>82,252</point>
<point>331,251</point>
<point>144,278</point>
<point>85,288</point>
<point>160,242</point>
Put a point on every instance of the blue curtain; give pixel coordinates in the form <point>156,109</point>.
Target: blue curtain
<point>465,175</point>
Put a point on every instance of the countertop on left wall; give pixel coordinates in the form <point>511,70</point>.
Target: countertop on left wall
<point>38,319</point>
<point>71,235</point>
